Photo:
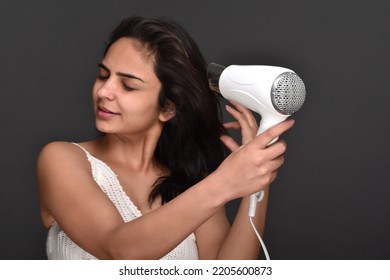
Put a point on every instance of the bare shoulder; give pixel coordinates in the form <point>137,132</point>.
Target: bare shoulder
<point>61,158</point>
<point>60,166</point>
<point>60,155</point>
<point>57,149</point>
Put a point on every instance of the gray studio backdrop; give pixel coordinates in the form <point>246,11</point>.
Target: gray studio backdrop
<point>331,199</point>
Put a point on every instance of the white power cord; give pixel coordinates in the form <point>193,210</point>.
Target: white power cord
<point>260,239</point>
<point>254,199</point>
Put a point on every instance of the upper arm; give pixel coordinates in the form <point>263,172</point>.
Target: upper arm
<point>69,194</point>
<point>211,234</point>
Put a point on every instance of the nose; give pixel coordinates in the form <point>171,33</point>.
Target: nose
<point>106,90</point>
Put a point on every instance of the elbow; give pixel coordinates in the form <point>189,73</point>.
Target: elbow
<point>119,251</point>
<point>125,250</point>
<point>129,245</point>
<point>116,247</point>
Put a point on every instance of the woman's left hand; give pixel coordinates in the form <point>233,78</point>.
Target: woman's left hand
<point>245,121</point>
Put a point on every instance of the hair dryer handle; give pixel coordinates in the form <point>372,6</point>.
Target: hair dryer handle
<point>253,200</point>
<point>268,121</point>
<point>265,123</point>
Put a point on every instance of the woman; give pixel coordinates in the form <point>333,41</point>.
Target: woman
<point>155,184</point>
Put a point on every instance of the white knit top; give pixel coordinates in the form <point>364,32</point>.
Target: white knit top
<point>60,247</point>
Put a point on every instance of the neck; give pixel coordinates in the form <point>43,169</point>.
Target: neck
<point>134,152</point>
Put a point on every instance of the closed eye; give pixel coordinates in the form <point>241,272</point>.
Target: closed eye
<point>104,72</point>
<point>103,77</point>
<point>128,88</point>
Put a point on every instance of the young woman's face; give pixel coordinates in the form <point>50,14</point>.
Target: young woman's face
<point>125,93</point>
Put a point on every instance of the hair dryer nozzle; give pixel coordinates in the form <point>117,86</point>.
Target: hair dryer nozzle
<point>214,72</point>
<point>288,93</point>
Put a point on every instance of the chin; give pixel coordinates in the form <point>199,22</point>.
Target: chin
<point>104,128</point>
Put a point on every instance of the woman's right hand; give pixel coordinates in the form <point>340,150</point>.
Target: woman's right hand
<point>253,166</point>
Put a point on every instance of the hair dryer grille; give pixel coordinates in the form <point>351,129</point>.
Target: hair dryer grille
<point>288,93</point>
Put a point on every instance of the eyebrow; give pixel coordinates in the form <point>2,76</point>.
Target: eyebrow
<point>126,75</point>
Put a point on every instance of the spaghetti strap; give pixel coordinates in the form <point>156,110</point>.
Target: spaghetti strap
<point>81,147</point>
<point>90,157</point>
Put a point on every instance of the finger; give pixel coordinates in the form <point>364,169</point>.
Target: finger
<point>272,167</point>
<point>246,113</point>
<point>248,129</point>
<point>229,143</point>
<point>275,151</point>
<point>277,162</point>
<point>232,125</point>
<point>263,140</point>
<point>278,148</point>
<point>235,113</point>
<point>242,112</point>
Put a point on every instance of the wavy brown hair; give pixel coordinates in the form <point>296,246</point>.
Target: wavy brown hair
<point>189,145</point>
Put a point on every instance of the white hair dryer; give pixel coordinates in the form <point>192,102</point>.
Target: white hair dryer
<point>273,92</point>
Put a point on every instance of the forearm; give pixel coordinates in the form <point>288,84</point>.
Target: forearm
<point>158,232</point>
<point>241,241</point>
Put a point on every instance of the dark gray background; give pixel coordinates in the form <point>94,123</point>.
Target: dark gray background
<point>331,199</point>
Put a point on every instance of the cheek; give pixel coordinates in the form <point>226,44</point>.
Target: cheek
<point>139,110</point>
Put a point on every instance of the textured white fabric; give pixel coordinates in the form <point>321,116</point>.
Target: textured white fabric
<point>60,246</point>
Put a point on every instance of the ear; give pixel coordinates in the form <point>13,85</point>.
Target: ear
<point>168,112</point>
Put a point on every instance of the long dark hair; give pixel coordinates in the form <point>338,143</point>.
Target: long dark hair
<point>189,146</point>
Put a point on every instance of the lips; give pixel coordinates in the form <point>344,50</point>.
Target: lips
<point>105,112</point>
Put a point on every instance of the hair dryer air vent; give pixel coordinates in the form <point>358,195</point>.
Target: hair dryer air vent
<point>288,93</point>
